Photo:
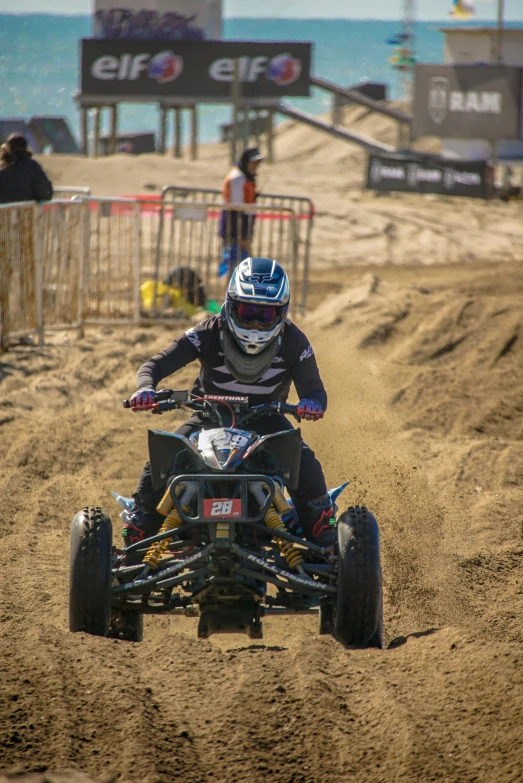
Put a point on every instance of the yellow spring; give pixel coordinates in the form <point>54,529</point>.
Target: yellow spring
<point>287,548</point>
<point>156,550</point>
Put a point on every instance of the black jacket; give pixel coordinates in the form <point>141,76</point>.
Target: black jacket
<point>294,363</point>
<point>24,181</point>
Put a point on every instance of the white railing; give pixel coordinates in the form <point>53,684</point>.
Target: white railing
<point>71,191</point>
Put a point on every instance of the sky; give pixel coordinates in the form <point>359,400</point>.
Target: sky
<point>333,9</point>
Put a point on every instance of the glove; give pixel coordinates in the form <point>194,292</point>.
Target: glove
<point>310,410</point>
<point>142,400</point>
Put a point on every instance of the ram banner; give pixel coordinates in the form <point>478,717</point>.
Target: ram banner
<point>467,101</point>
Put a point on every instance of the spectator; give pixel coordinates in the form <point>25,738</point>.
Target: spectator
<point>237,227</point>
<point>21,178</point>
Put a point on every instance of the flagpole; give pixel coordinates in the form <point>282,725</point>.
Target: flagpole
<point>498,59</point>
<point>499,32</point>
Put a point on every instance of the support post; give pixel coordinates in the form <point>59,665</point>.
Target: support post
<point>83,261</point>
<point>246,128</point>
<point>494,164</point>
<point>270,136</point>
<point>235,96</point>
<point>336,109</point>
<point>137,264</point>
<point>498,54</point>
<point>498,58</point>
<point>177,146</point>
<point>194,132</point>
<point>97,120</point>
<point>257,121</point>
<point>37,256</point>
<point>163,130</point>
<point>114,128</point>
<point>84,130</point>
<point>403,136</point>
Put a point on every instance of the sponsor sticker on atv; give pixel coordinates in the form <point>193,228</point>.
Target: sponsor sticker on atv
<point>223,508</point>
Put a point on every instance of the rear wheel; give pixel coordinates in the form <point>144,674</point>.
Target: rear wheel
<point>90,572</point>
<point>358,607</point>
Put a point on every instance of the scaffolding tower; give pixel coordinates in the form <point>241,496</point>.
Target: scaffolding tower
<point>404,59</point>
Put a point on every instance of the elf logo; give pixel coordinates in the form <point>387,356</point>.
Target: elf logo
<point>163,67</point>
<point>282,69</point>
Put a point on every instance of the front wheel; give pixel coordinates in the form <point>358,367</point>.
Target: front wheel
<point>358,608</point>
<point>90,572</point>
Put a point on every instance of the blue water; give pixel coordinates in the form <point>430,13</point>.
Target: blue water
<point>39,63</point>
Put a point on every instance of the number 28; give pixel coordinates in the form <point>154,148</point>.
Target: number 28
<point>221,507</point>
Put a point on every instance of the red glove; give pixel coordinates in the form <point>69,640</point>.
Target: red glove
<point>310,410</point>
<point>142,400</point>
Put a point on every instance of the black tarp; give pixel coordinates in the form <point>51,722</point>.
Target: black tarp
<point>429,174</point>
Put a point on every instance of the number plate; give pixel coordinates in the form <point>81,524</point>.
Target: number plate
<point>223,508</point>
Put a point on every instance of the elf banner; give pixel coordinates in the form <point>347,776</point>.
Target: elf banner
<point>167,20</point>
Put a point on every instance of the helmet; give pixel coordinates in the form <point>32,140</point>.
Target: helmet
<point>256,303</point>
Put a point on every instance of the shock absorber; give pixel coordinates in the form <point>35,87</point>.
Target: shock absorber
<point>273,520</point>
<point>172,521</point>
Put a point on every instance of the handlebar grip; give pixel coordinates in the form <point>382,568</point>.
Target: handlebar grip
<point>286,407</point>
<point>127,403</point>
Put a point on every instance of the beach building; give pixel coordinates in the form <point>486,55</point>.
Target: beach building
<point>483,45</point>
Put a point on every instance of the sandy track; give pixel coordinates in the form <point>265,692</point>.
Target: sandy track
<point>431,440</point>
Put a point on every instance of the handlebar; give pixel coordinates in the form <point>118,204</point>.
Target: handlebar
<point>177,398</point>
<point>169,399</point>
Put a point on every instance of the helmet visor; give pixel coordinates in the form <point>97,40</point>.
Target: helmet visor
<point>257,315</point>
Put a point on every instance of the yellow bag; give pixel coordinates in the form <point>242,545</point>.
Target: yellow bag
<point>166,297</point>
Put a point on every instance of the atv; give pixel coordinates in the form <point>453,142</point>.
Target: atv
<point>225,551</point>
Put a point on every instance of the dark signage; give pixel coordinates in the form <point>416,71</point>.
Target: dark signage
<point>429,175</point>
<point>467,101</point>
<point>196,69</point>
<point>54,132</point>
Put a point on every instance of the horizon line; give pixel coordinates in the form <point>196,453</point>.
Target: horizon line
<point>438,20</point>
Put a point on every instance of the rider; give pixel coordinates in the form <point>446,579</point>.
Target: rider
<point>249,349</point>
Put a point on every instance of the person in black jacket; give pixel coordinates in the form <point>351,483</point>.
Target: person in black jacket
<point>251,349</point>
<point>21,177</point>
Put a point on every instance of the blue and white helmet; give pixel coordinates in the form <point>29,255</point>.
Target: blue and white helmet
<point>256,303</point>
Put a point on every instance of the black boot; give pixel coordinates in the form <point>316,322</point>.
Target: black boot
<point>143,522</point>
<point>318,520</point>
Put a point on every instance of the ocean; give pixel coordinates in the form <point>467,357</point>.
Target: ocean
<point>39,57</point>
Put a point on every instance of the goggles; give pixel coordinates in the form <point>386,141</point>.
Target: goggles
<point>261,315</point>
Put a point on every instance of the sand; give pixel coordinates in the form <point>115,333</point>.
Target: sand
<point>419,343</point>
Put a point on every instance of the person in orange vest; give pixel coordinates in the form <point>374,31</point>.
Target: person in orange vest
<point>237,227</point>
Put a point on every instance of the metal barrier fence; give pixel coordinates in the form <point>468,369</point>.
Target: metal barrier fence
<point>61,258</point>
<point>268,226</point>
<point>20,305</point>
<point>111,286</point>
<point>188,237</point>
<point>66,263</point>
<point>90,255</point>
